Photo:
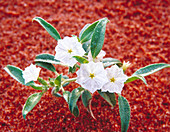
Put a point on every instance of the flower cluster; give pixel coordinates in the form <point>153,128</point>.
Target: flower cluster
<point>92,75</point>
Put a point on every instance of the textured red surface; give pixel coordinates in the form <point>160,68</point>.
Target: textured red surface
<point>138,32</point>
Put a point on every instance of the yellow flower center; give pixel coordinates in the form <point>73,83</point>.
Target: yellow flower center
<point>92,75</point>
<point>70,50</point>
<point>112,79</point>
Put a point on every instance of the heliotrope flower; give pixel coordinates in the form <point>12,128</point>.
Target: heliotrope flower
<point>91,76</point>
<point>116,79</point>
<point>98,58</point>
<point>31,73</point>
<point>67,48</point>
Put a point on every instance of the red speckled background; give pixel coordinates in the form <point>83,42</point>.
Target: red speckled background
<point>138,32</point>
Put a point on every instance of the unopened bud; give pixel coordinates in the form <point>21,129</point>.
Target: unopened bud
<point>125,65</point>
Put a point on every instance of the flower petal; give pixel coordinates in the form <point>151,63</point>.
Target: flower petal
<point>119,79</point>
<point>91,83</point>
<point>31,73</point>
<point>64,46</point>
<point>98,58</point>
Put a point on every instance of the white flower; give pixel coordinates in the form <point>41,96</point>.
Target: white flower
<point>98,58</point>
<point>67,48</point>
<point>31,73</point>
<point>91,76</point>
<point>125,65</point>
<point>116,79</point>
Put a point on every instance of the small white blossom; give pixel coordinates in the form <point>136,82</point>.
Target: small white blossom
<point>91,76</point>
<point>98,58</point>
<point>31,73</point>
<point>116,79</point>
<point>125,65</point>
<point>67,48</point>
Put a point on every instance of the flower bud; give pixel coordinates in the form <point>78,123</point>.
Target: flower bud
<point>125,65</point>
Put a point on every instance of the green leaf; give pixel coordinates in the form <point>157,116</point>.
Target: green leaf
<point>134,77</point>
<point>66,95</point>
<point>30,103</point>
<point>147,70</point>
<point>16,73</point>
<point>48,58</point>
<point>74,96</point>
<point>109,97</point>
<point>98,37</point>
<point>55,92</point>
<point>36,86</point>
<point>87,32</point>
<point>51,82</point>
<point>47,66</point>
<point>86,46</point>
<point>124,110</point>
<point>76,111</point>
<point>111,61</point>
<point>81,60</point>
<point>65,77</point>
<point>83,29</point>
<point>48,27</point>
<point>62,78</point>
<point>42,81</point>
<point>58,80</point>
<point>86,97</point>
<point>108,60</point>
<point>72,69</point>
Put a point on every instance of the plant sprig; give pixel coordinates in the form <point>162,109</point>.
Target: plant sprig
<point>83,55</point>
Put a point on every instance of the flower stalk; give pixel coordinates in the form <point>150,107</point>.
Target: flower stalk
<point>68,80</point>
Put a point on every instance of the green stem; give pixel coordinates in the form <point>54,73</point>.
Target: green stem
<point>56,73</point>
<point>118,94</point>
<point>91,109</point>
<point>68,80</point>
<point>77,66</point>
<point>62,89</point>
